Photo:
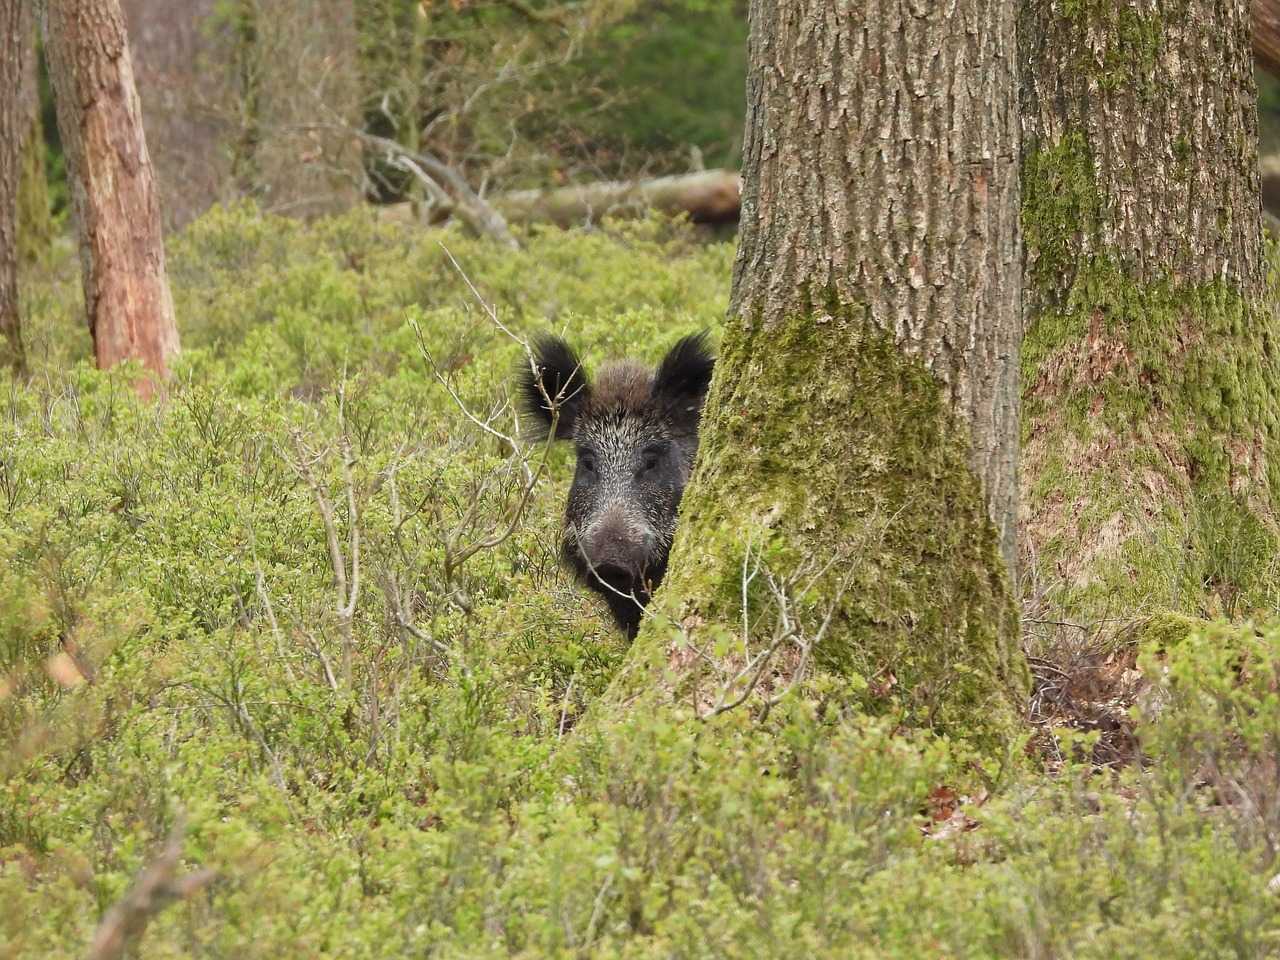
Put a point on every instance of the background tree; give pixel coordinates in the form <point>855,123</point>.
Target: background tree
<point>860,438</point>
<point>127,299</point>
<point>23,225</point>
<point>1150,377</point>
<point>35,223</point>
<point>392,40</point>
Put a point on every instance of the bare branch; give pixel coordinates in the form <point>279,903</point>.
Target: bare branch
<point>473,210</point>
<point>157,886</point>
<point>346,575</point>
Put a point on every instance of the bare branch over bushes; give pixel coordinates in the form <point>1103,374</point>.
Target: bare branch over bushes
<point>440,179</point>
<point>158,885</point>
<point>346,566</point>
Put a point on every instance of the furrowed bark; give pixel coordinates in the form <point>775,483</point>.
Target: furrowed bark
<point>113,191</point>
<point>1150,378</point>
<point>862,423</point>
<point>17,90</point>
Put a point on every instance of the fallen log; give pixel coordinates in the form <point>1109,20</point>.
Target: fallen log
<point>708,196</point>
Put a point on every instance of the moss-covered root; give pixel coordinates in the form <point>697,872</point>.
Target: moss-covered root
<point>832,494</point>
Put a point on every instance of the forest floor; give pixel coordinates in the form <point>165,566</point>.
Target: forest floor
<point>294,648</point>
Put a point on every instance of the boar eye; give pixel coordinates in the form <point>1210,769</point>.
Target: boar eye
<point>652,458</point>
<point>587,463</point>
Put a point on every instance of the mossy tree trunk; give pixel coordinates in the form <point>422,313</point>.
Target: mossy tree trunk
<point>113,190</point>
<point>245,169</point>
<point>35,224</point>
<point>17,107</point>
<point>859,441</point>
<point>391,71</point>
<point>1150,365</point>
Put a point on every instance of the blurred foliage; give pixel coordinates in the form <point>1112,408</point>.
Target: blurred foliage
<point>670,78</point>
<point>542,92</point>
<point>170,646</point>
<point>513,93</point>
<point>55,162</point>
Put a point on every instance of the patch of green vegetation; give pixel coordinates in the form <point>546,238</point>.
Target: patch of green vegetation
<point>674,73</point>
<point>170,649</point>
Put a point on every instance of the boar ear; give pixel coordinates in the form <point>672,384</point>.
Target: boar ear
<point>680,384</point>
<point>553,388</point>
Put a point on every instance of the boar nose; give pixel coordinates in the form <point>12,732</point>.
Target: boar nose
<point>618,545</point>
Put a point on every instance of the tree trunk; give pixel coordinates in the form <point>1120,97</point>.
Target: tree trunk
<point>1266,35</point>
<point>1150,377</point>
<point>391,68</point>
<point>245,170</point>
<point>859,441</point>
<point>35,225</point>
<point>17,73</point>
<point>113,191</point>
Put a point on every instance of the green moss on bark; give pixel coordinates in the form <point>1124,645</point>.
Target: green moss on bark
<point>35,229</point>
<point>1128,41</point>
<point>1149,420</point>
<point>827,450</point>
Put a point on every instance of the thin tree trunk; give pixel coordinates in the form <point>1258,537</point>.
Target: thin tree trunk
<point>17,72</point>
<point>35,224</point>
<point>1150,370</point>
<point>130,309</point>
<point>391,68</point>
<point>861,429</point>
<point>245,169</point>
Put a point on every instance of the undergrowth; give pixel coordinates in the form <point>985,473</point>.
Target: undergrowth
<point>382,757</point>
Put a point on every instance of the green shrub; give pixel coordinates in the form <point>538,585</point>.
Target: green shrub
<point>425,775</point>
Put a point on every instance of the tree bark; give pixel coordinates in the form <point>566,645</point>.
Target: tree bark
<point>1266,35</point>
<point>35,224</point>
<point>859,441</point>
<point>1150,377</point>
<point>17,90</point>
<point>113,191</point>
